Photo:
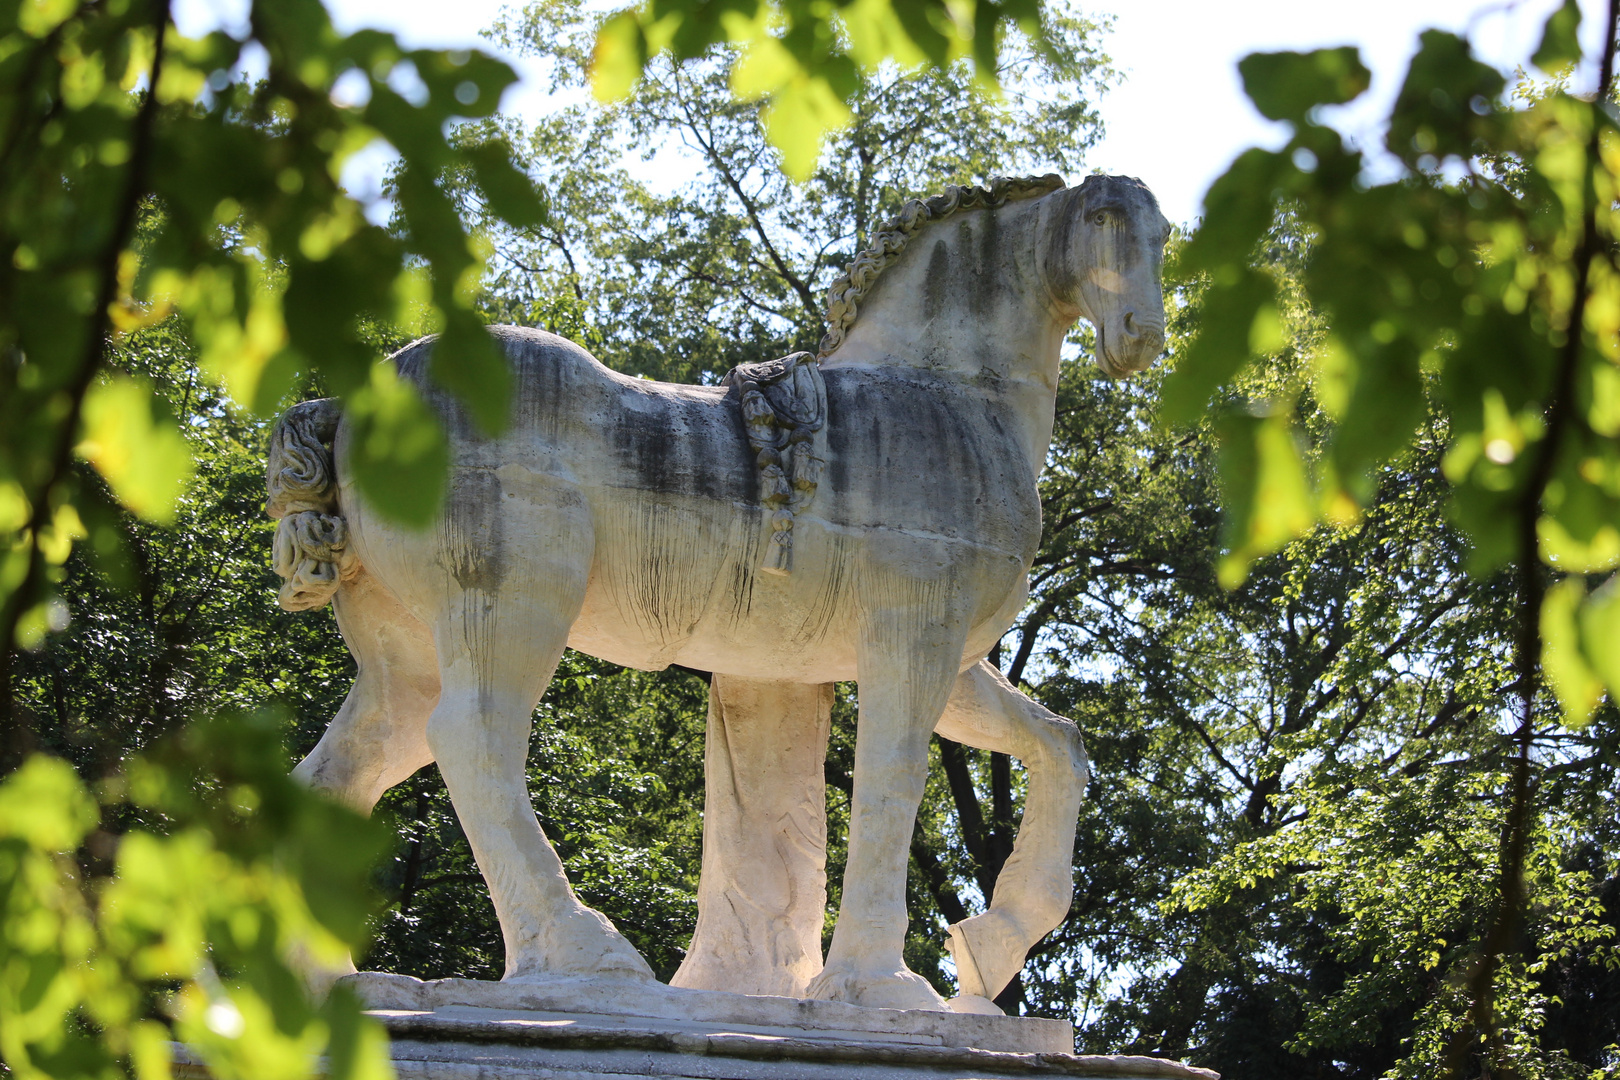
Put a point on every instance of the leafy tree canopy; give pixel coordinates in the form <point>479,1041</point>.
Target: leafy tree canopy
<point>1474,295</point>
<point>1291,861</point>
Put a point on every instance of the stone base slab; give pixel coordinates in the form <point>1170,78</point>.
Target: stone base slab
<point>737,1012</point>
<point>459,1029</point>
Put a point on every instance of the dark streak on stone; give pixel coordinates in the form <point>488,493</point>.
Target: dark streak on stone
<point>474,547</point>
<point>818,618</point>
<point>982,291</point>
<point>936,284</point>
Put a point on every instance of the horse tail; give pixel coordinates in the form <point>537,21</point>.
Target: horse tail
<point>311,551</point>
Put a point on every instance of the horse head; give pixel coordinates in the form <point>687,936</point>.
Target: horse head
<point>1104,259</point>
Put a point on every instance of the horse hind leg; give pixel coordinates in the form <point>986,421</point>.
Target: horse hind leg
<point>379,736</point>
<point>762,895</point>
<point>502,626</point>
<point>1035,888</point>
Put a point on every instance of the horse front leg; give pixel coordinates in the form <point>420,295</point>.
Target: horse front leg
<point>1034,890</point>
<point>906,662</point>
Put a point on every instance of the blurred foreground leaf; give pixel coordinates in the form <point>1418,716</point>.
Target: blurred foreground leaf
<point>142,175</point>
<point>806,62</point>
<point>130,440</point>
<point>235,875</point>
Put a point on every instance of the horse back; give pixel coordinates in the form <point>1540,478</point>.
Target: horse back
<point>575,418</point>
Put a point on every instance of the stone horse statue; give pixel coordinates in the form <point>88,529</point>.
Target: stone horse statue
<point>870,517</point>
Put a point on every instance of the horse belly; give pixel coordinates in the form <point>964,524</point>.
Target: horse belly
<point>657,572</point>
<point>800,626</point>
<point>677,580</point>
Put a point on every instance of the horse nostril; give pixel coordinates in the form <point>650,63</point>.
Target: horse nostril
<point>1130,323</point>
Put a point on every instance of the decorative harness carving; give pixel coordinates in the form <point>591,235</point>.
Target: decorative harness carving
<point>784,407</point>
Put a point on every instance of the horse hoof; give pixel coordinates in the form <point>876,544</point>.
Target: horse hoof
<point>583,944</point>
<point>974,1005</point>
<point>621,961</point>
<point>989,949</point>
<point>613,965</point>
<point>901,989</point>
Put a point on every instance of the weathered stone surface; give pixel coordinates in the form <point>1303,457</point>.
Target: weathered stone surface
<point>584,1052</point>
<point>642,1003</point>
<point>453,1042</point>
<point>440,1048</point>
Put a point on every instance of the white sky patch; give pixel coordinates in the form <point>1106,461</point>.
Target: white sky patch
<point>1177,121</point>
<point>1181,117</point>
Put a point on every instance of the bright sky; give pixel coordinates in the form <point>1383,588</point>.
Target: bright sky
<point>1180,116</point>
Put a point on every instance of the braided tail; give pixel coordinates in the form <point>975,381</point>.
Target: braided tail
<point>311,552</point>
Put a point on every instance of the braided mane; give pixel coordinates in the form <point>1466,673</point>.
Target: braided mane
<point>847,292</point>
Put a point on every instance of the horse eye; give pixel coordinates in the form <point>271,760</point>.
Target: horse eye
<point>1100,218</point>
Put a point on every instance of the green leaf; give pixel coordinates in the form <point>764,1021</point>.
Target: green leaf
<point>510,193</point>
<point>905,33</point>
<point>469,362</point>
<point>691,29</point>
<point>763,68</point>
<point>1578,687</point>
<point>1238,209</point>
<point>359,1048</point>
<point>1483,514</point>
<point>1265,494</point>
<point>132,441</point>
<point>45,804</point>
<point>1288,85</point>
<point>618,57</point>
<point>1233,317</point>
<point>1560,39</point>
<point>1603,414</point>
<point>363,266</point>
<point>1386,407</point>
<point>1579,531</point>
<point>397,448</point>
<point>336,848</point>
<point>1333,370</point>
<point>1435,112</point>
<point>37,18</point>
<point>469,84</point>
<point>798,118</point>
<point>1600,634</point>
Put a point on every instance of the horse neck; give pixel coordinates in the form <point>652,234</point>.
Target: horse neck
<point>967,301</point>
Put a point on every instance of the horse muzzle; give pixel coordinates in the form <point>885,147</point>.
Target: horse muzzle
<point>1130,345</point>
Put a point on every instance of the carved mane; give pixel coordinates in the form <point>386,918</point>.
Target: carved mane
<point>844,298</point>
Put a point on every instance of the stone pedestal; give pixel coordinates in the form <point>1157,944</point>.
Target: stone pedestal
<point>458,1029</point>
